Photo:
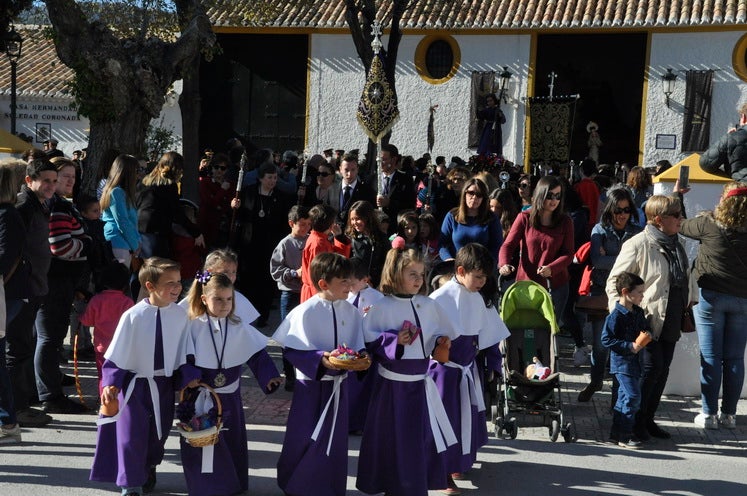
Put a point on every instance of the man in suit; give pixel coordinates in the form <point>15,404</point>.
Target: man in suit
<point>352,188</point>
<point>397,191</point>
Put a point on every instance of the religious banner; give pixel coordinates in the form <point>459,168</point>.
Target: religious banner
<point>551,125</point>
<point>696,126</point>
<point>377,109</point>
<point>483,84</point>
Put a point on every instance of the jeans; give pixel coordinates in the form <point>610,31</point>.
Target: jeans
<point>559,297</point>
<point>720,322</point>
<point>627,405</point>
<point>52,323</point>
<point>288,301</point>
<point>21,346</point>
<point>12,307</point>
<point>599,353</point>
<point>655,361</point>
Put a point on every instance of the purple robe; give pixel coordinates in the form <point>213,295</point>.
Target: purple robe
<point>398,454</point>
<point>230,459</point>
<point>304,467</point>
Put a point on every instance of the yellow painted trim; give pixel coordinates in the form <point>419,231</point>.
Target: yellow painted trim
<point>644,99</point>
<point>481,31</point>
<point>738,58</point>
<point>308,95</point>
<point>422,49</point>
<point>530,93</point>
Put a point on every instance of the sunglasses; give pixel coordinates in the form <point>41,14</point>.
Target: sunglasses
<point>324,174</point>
<point>474,193</point>
<point>625,210</point>
<point>676,215</point>
<point>554,196</point>
<point>523,185</point>
<point>221,167</point>
<point>458,179</point>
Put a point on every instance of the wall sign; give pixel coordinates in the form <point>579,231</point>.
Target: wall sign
<point>666,141</point>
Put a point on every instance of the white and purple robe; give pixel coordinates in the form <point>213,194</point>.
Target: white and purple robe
<point>223,469</point>
<point>314,458</point>
<point>132,442</point>
<point>406,426</point>
<point>459,380</point>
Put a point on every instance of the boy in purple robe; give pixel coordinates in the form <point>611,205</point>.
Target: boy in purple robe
<point>314,459</point>
<point>458,380</point>
<point>149,346</point>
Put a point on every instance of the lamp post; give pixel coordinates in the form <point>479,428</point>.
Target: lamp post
<point>505,76</point>
<point>669,79</point>
<point>13,45</point>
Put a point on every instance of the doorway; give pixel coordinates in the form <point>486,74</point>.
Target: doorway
<point>607,71</point>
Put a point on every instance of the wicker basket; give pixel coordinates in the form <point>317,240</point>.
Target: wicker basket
<point>205,437</point>
<point>357,364</point>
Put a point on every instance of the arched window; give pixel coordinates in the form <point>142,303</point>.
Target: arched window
<point>739,58</point>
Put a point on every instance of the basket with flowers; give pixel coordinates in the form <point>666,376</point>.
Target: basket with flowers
<point>348,359</point>
<point>199,415</point>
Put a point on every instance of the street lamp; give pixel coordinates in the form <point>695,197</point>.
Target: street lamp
<point>13,45</point>
<point>505,76</point>
<point>669,79</point>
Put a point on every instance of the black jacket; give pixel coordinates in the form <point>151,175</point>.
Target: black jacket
<point>401,196</point>
<point>728,156</point>
<point>36,222</point>
<point>158,207</point>
<point>12,236</point>
<point>361,192</point>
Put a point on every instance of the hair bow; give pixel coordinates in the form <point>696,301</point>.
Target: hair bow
<point>203,276</point>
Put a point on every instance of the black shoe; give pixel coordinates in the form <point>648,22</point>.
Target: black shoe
<point>67,380</point>
<point>64,406</point>
<point>586,394</point>
<point>657,431</point>
<point>641,433</point>
<point>31,417</point>
<point>150,484</point>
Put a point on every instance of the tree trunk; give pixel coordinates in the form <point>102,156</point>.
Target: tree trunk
<point>190,106</point>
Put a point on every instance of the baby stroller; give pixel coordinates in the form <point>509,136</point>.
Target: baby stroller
<point>526,308</point>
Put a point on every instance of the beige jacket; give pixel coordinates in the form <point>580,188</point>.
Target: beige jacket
<point>640,255</point>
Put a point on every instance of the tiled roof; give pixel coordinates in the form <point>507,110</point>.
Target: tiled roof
<point>40,72</point>
<point>488,14</point>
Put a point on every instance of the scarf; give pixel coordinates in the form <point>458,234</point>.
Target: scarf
<point>675,254</point>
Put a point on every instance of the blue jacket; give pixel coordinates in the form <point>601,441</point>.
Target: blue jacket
<point>120,222</point>
<point>620,331</point>
<point>606,237</point>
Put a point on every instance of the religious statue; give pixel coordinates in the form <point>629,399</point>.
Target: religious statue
<point>594,141</point>
<point>491,139</point>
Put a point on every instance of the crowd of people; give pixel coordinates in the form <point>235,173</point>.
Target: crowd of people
<point>400,265</point>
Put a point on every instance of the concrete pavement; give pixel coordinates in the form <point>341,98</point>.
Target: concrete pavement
<point>55,460</point>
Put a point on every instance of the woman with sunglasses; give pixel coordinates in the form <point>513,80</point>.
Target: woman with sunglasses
<point>544,235</point>
<point>216,193</point>
<point>470,222</point>
<point>526,187</point>
<point>619,223</point>
<point>327,190</point>
<point>658,257</point>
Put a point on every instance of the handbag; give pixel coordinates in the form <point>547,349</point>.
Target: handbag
<point>688,321</point>
<point>592,304</point>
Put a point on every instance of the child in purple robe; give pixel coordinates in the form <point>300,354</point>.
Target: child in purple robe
<point>219,345</point>
<point>406,426</point>
<point>148,348</point>
<point>314,459</point>
<point>459,380</point>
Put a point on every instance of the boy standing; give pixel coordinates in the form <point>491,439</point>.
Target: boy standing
<point>479,328</point>
<point>314,458</point>
<point>323,227</point>
<point>149,345</point>
<point>285,267</point>
<point>620,332</point>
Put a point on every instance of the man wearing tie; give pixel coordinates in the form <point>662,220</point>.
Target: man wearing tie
<point>352,188</point>
<point>397,190</point>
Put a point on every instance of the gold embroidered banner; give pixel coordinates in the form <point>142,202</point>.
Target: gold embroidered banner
<point>550,130</point>
<point>377,109</point>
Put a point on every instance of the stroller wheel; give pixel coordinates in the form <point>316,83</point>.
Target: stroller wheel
<point>568,433</point>
<point>554,430</point>
<point>511,428</point>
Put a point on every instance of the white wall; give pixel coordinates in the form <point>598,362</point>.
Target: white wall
<point>682,52</point>
<point>337,79</point>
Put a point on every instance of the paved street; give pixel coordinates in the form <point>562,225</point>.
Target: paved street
<point>55,460</point>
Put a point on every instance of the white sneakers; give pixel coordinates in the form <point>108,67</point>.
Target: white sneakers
<point>9,435</point>
<point>712,422</point>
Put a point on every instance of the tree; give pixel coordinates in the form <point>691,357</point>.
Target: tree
<point>360,15</point>
<point>123,71</point>
<point>8,12</point>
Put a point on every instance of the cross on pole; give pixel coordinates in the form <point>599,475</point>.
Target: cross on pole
<point>552,77</point>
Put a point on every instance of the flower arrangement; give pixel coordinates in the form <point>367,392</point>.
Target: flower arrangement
<point>491,163</point>
<point>199,413</point>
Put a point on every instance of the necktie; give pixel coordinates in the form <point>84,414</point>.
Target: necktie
<point>357,300</point>
<point>345,197</point>
<point>158,354</point>
<point>386,185</point>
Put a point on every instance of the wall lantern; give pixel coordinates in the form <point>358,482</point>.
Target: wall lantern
<point>669,79</point>
<point>505,75</point>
